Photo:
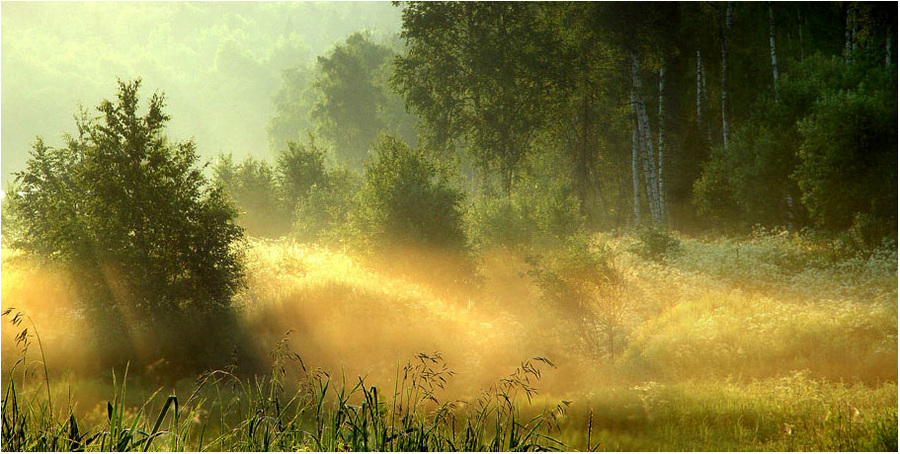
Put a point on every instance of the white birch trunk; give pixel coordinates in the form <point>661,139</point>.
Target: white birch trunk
<point>635,168</point>
<point>705,106</point>
<point>887,48</point>
<point>849,35</point>
<point>648,151</point>
<point>699,90</point>
<point>790,212</point>
<point>660,188</point>
<point>772,50</point>
<point>725,38</point>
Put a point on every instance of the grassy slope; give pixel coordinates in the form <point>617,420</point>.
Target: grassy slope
<point>760,344</point>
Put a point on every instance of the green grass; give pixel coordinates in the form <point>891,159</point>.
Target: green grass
<point>769,343</point>
<point>314,412</point>
<point>226,413</point>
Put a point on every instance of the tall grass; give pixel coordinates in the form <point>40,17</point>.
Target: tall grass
<point>314,412</point>
<point>767,343</point>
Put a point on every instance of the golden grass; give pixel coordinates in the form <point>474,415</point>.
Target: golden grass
<point>716,355</point>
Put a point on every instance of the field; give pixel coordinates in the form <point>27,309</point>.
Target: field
<point>770,342</point>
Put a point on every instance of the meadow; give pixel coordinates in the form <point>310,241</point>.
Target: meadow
<point>771,342</point>
<point>449,226</point>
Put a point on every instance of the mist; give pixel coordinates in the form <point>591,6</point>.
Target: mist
<point>441,226</point>
<point>218,63</point>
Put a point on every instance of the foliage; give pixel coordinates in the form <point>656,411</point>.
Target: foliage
<point>656,244</point>
<point>848,158</point>
<point>405,199</point>
<point>322,213</point>
<point>542,211</point>
<point>252,185</point>
<point>152,243</point>
<point>725,192</point>
<point>354,104</point>
<point>471,85</point>
<point>529,217</point>
<point>292,103</point>
<point>299,168</point>
<point>827,143</point>
<point>583,284</point>
<point>298,191</point>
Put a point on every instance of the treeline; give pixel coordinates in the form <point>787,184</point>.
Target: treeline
<point>524,125</point>
<point>219,65</point>
<point>554,116</point>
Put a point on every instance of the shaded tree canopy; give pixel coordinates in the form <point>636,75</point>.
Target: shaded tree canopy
<point>131,212</point>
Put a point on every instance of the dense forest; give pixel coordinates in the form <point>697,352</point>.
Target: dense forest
<point>675,224</point>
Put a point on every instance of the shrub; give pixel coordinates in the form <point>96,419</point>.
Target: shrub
<point>405,199</point>
<point>322,212</point>
<point>151,243</point>
<point>656,244</point>
<point>299,169</point>
<point>252,186</point>
<point>582,283</point>
<point>533,215</point>
<point>848,159</point>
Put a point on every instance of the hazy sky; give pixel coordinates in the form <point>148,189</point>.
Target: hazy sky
<point>219,63</point>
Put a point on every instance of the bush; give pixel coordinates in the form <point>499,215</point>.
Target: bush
<point>582,283</point>
<point>405,199</point>
<point>151,243</point>
<point>252,186</point>
<point>656,244</point>
<point>528,217</point>
<point>299,169</point>
<point>322,212</point>
<point>848,160</point>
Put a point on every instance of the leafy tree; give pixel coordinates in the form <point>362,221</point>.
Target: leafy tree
<point>318,198</point>
<point>322,213</point>
<point>131,214</point>
<point>542,210</point>
<point>252,185</point>
<point>298,169</point>
<point>293,102</point>
<point>354,104</point>
<point>405,199</point>
<point>477,75</point>
<point>848,158</point>
<point>824,145</point>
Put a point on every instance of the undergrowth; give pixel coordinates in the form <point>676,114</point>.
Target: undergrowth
<point>771,343</point>
<point>293,408</point>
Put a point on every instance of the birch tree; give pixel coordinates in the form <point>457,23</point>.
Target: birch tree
<point>726,36</point>
<point>661,143</point>
<point>772,50</point>
<point>646,148</point>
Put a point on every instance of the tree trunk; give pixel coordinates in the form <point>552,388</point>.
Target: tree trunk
<point>660,188</point>
<point>506,172</point>
<point>772,50</point>
<point>850,34</point>
<point>699,91</point>
<point>635,174</point>
<point>800,33</point>
<point>887,49</point>
<point>725,37</point>
<point>645,140</point>
<point>583,160</point>
<point>790,211</point>
<point>705,102</point>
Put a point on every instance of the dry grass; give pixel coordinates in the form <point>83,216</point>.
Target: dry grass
<point>760,344</point>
